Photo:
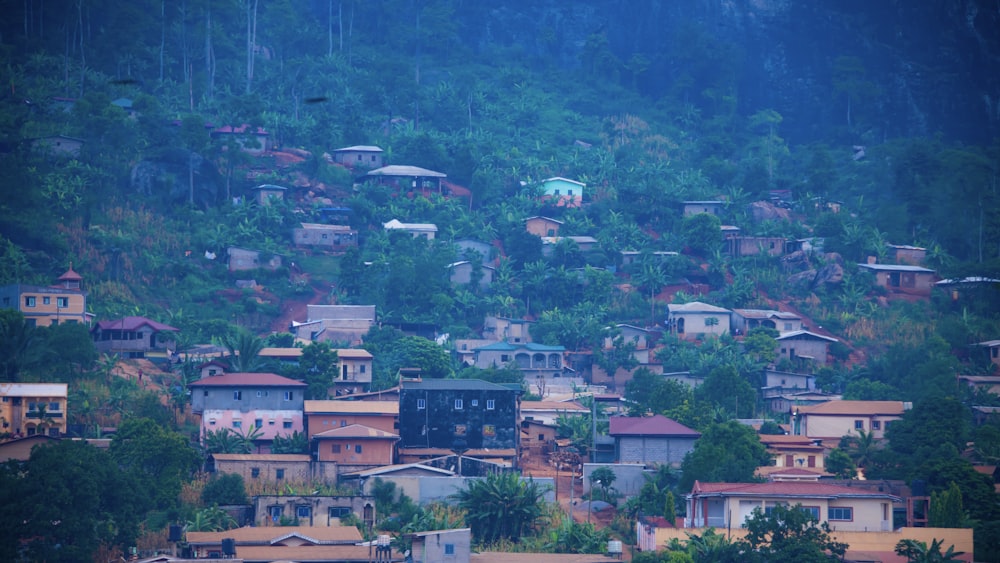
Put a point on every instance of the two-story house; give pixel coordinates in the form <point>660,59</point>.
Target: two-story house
<point>326,415</point>
<point>534,360</point>
<point>266,402</point>
<point>745,319</point>
<point>793,452</point>
<point>696,319</point>
<point>62,302</point>
<point>834,419</point>
<point>354,371</point>
<point>729,505</point>
<point>355,447</point>
<point>460,415</point>
<point>133,337</point>
<point>802,347</point>
<point>651,439</point>
<point>27,409</point>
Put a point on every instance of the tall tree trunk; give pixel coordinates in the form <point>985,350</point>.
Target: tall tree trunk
<point>251,39</point>
<point>329,28</point>
<point>209,51</point>
<point>184,45</point>
<point>163,34</point>
<point>83,57</point>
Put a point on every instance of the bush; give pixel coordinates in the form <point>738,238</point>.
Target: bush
<point>223,490</point>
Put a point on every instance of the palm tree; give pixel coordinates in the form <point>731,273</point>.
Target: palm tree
<point>20,347</point>
<point>502,506</point>
<point>919,552</point>
<point>211,519</point>
<point>244,352</point>
<point>861,448</point>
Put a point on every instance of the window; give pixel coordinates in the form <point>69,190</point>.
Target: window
<point>237,395</point>
<point>475,402</point>
<point>460,429</point>
<point>258,392</point>
<point>289,395</point>
<point>32,406</point>
<point>258,423</point>
<point>859,425</point>
<point>62,302</point>
<point>279,474</point>
<point>237,423</point>
<point>339,511</point>
<point>840,513</point>
<point>421,404</point>
<point>254,472</point>
<point>357,448</point>
<point>504,358</point>
<point>458,404</point>
<point>274,512</point>
<point>490,404</point>
<point>286,424</point>
<point>876,425</point>
<point>449,549</point>
<point>788,327</point>
<point>362,368</point>
<point>303,511</point>
<point>46,300</point>
<point>489,430</point>
<point>335,449</point>
<point>270,422</point>
<point>53,407</point>
<point>343,423</point>
<point>812,510</point>
<point>29,301</point>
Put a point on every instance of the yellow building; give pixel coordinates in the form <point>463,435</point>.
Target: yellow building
<point>27,409</point>
<point>63,302</point>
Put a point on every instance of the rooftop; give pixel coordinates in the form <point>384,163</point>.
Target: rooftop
<point>247,380</point>
<point>786,489</point>
<point>351,407</point>
<point>854,407</point>
<point>404,170</point>
<point>695,307</point>
<point>357,432</point>
<point>895,268</point>
<point>33,390</point>
<point>656,425</point>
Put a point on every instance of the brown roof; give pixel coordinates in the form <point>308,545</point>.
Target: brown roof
<point>351,407</point>
<point>270,535</point>
<point>786,439</point>
<point>247,379</point>
<point>656,425</point>
<point>357,431</point>
<point>847,408</point>
<point>553,406</point>
<point>353,353</point>
<point>262,457</point>
<point>504,557</point>
<point>784,488</point>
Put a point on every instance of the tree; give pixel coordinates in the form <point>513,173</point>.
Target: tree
<point>226,488</point>
<point>727,452</point>
<point>244,352</point>
<point>840,464</point>
<point>603,477</point>
<point>160,459</point>
<point>946,509</point>
<point>621,355</point>
<point>502,506</point>
<point>701,233</point>
<point>724,388</point>
<point>789,534</point>
<point>211,519</point>
<point>318,368</point>
<point>21,347</point>
<point>294,443</point>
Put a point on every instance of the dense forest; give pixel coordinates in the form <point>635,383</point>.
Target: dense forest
<point>864,125</point>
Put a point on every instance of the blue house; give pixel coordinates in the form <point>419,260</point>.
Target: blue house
<point>563,192</point>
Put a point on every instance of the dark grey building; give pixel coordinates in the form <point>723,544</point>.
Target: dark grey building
<point>458,415</point>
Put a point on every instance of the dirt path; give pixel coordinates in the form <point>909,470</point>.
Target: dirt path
<point>295,309</point>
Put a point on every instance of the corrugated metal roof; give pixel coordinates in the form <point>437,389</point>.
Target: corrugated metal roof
<point>247,379</point>
<point>656,425</point>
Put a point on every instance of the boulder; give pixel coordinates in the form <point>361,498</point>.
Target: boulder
<point>767,211</point>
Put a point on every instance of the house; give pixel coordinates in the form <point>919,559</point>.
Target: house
<point>326,415</point>
<point>793,452</point>
<point>697,319</point>
<point>906,254</point>
<point>246,402</point>
<point>355,446</point>
<point>459,415</point>
<point>441,546</point>
<point>272,468</point>
<point>778,401</point>
<point>548,412</point>
<point>465,349</point>
<point>241,259</point>
<point>637,336</point>
<point>133,337</point>
<point>474,250</point>
<point>902,278</point>
<point>834,419</point>
<point>359,156</point>
<point>563,192</point>
<point>971,288</point>
<point>542,226</point>
<point>788,381</point>
<point>337,238</point>
<point>27,409</point>
<point>507,329</point>
<point>60,303</point>
<point>992,350</point>
<point>464,272</point>
<point>426,230</point>
<point>407,178</point>
<point>534,360</point>
<point>804,347</point>
<point>739,246</point>
<point>745,319</point>
<point>126,106</point>
<point>630,257</point>
<point>255,141</point>
<point>712,207</point>
<point>651,439</point>
<point>212,368</point>
<point>729,505</point>
<point>299,543</point>
<point>19,449</point>
<point>684,378</point>
<point>337,323</point>
<point>354,371</point>
<point>582,243</point>
<point>538,438</point>
<point>58,145</point>
<point>986,383</point>
<point>265,194</point>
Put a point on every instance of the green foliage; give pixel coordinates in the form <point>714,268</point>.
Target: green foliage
<point>159,458</point>
<point>789,534</point>
<point>211,519</point>
<point>946,509</point>
<point>501,506</point>
<point>604,478</point>
<point>223,489</point>
<point>701,234</point>
<point>919,552</point>
<point>294,443</point>
<point>840,464</point>
<point>727,452</point>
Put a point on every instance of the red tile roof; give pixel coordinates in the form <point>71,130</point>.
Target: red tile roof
<point>656,425</point>
<point>847,408</point>
<point>247,379</point>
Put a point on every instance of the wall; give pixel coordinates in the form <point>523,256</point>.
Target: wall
<point>650,449</point>
<point>629,477</point>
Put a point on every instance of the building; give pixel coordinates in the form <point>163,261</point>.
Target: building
<point>299,543</point>
<point>359,157</point>
<point>729,505</point>
<point>793,452</point>
<point>902,278</point>
<point>507,329</point>
<point>273,468</point>
<point>651,439</point>
<point>744,320</point>
<point>58,145</point>
<point>441,546</point>
<point>133,337</point>
<point>582,243</point>
<point>712,207</point>
<point>336,238</point>
<point>543,226</point>
<point>697,319</point>
<point>407,178</point>
<point>832,420</point>
<point>425,230</point>
<point>563,192</point>
<point>459,415</point>
<point>326,415</point>
<point>255,141</point>
<point>27,409</point>
<point>534,360</point>
<point>804,348</point>
<point>63,302</point>
<point>355,447</point>
<point>548,412</point>
<point>337,323</point>
<point>906,254</point>
<point>465,272</point>
<point>992,348</point>
<point>313,510</point>
<point>354,371</point>
<point>241,259</point>
<point>739,246</point>
<point>266,402</point>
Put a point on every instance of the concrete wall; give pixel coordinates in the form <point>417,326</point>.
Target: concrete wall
<point>636,449</point>
<point>430,489</point>
<point>628,476</point>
